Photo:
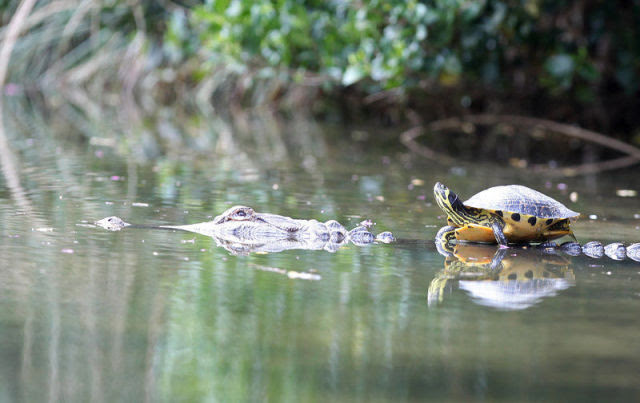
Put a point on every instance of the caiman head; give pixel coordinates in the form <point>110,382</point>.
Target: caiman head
<point>245,217</point>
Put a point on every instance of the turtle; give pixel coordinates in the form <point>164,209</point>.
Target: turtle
<point>503,215</point>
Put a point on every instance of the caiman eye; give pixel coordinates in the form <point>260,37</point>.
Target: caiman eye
<point>242,214</point>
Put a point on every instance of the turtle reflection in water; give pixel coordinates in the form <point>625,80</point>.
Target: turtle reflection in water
<point>515,278</point>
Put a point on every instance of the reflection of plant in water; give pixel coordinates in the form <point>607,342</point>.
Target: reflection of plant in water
<point>502,278</point>
<point>244,139</point>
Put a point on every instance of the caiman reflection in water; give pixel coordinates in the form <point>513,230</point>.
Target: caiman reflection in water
<point>514,278</point>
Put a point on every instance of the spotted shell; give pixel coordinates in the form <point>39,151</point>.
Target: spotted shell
<point>521,200</point>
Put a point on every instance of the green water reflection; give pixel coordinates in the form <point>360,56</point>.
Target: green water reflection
<point>141,314</point>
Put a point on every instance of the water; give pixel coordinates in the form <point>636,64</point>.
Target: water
<point>143,314</point>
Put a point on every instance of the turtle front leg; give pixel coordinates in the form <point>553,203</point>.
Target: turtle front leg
<point>443,238</point>
<point>498,226</point>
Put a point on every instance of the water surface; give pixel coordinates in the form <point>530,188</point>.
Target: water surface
<point>143,314</point>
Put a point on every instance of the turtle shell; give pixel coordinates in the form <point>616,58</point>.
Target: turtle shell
<point>522,200</point>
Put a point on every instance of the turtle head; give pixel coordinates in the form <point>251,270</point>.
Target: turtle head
<point>451,204</point>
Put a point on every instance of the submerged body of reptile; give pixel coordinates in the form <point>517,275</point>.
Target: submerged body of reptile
<point>242,229</point>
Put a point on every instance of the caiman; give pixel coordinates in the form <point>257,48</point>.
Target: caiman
<point>241,229</point>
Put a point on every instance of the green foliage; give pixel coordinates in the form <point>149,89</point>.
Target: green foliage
<point>384,44</point>
<point>583,51</point>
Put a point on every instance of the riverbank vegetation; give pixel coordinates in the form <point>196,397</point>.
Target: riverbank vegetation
<point>393,60</point>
